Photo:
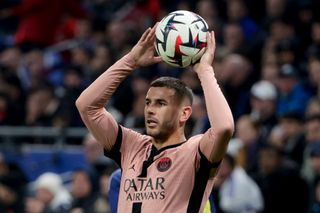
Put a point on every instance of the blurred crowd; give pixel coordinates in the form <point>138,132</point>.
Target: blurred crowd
<point>267,63</point>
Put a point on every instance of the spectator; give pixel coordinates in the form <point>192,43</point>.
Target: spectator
<point>249,138</point>
<point>292,142</point>
<point>314,47</point>
<point>135,118</point>
<point>12,186</point>
<point>117,36</point>
<point>275,9</point>
<point>32,71</point>
<point>286,52</point>
<point>313,107</point>
<point>263,103</point>
<point>281,31</point>
<point>210,11</point>
<point>84,191</point>
<point>68,93</point>
<point>293,95</point>
<point>269,59</point>
<point>93,152</point>
<point>235,183</point>
<point>312,124</point>
<point>42,106</point>
<point>102,204</point>
<point>237,12</point>
<point>101,60</point>
<point>39,20</point>
<point>50,195</point>
<point>233,38</point>
<point>9,58</point>
<point>269,71</point>
<point>314,74</point>
<point>236,78</point>
<point>275,178</point>
<point>80,56</point>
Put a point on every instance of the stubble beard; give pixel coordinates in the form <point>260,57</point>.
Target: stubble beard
<point>161,133</point>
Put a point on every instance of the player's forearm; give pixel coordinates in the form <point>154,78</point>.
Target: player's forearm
<point>91,103</point>
<point>219,113</point>
<point>99,92</point>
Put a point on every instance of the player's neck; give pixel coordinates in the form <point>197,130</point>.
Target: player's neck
<point>176,138</point>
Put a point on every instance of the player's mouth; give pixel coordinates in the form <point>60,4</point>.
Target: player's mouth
<point>151,122</point>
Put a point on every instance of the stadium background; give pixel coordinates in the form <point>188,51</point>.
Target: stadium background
<point>51,50</point>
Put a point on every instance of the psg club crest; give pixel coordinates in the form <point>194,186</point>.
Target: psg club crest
<point>164,164</point>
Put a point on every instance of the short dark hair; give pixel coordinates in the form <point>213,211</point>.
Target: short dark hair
<point>181,89</point>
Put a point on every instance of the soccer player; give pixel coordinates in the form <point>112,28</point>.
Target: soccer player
<point>162,171</point>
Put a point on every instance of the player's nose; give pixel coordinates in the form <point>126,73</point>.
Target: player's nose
<point>149,109</point>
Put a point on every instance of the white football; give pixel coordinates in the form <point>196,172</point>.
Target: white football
<point>181,38</point>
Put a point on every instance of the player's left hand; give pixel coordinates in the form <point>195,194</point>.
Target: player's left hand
<point>208,56</point>
<point>143,51</point>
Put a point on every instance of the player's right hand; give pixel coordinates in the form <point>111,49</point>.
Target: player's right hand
<point>143,51</point>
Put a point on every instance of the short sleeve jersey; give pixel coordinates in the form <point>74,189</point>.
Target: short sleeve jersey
<point>173,179</point>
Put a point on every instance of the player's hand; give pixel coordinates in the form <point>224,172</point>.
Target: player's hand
<point>143,51</point>
<point>208,56</point>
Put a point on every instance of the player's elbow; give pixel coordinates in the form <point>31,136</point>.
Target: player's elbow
<point>80,104</point>
<point>227,129</point>
<point>222,132</point>
<point>229,132</point>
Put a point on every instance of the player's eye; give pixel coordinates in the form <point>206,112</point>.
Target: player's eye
<point>162,103</point>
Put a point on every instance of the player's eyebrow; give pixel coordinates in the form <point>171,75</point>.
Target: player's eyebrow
<point>158,100</point>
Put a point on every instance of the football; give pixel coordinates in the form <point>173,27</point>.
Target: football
<point>181,38</point>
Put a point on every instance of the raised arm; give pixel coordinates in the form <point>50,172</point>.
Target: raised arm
<point>215,141</point>
<point>92,101</point>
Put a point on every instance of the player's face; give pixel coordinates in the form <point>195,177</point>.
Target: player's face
<point>161,112</point>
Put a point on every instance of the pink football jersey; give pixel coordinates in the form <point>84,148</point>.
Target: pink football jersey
<point>172,179</point>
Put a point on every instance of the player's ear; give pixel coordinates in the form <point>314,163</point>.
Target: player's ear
<point>186,113</point>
